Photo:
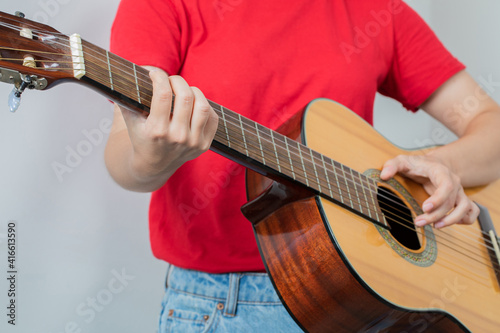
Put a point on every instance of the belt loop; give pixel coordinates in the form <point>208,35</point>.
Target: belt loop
<point>169,270</point>
<point>232,295</point>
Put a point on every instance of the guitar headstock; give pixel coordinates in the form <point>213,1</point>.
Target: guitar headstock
<point>36,56</point>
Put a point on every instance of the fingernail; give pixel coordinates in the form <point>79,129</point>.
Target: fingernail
<point>438,225</point>
<point>427,206</point>
<point>420,222</point>
<point>384,172</point>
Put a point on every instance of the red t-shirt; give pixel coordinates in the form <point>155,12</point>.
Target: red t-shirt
<point>266,59</point>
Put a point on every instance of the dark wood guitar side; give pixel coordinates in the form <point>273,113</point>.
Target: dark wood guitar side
<point>310,271</point>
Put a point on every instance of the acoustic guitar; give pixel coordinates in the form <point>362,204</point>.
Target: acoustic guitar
<point>339,243</point>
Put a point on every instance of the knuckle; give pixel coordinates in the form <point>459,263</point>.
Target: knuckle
<point>163,92</point>
<point>205,108</point>
<point>179,138</point>
<point>455,178</point>
<point>185,97</point>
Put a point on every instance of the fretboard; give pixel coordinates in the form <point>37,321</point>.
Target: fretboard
<point>244,140</point>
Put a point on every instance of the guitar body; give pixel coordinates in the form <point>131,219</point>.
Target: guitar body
<point>338,272</point>
<point>343,257</point>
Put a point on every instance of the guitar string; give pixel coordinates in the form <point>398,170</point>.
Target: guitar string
<point>307,159</point>
<point>346,179</point>
<point>65,45</point>
<point>280,140</point>
<point>70,69</point>
<point>359,184</point>
<point>443,235</point>
<point>65,40</point>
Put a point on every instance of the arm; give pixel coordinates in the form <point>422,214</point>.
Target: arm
<point>474,159</point>
<point>143,152</point>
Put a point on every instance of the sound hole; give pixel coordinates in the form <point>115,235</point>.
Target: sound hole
<point>399,217</point>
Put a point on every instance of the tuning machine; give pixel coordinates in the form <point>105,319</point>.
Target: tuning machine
<point>20,82</point>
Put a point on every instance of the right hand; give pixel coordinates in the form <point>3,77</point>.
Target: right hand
<point>165,140</point>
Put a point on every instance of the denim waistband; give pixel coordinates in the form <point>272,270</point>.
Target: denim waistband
<point>230,288</point>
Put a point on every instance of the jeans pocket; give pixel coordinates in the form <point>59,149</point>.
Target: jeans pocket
<point>184,321</point>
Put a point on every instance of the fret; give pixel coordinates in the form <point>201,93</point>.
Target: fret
<point>109,70</point>
<point>346,183</point>
<point>260,144</point>
<point>327,178</point>
<point>225,125</point>
<point>275,151</point>
<point>243,134</point>
<point>315,170</point>
<point>364,194</point>
<point>356,190</point>
<point>137,85</point>
<point>289,158</point>
<point>337,180</point>
<point>302,161</point>
<point>373,191</point>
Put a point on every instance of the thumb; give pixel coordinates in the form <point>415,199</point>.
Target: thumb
<point>389,170</point>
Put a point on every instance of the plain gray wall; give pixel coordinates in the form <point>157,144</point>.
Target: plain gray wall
<point>78,231</point>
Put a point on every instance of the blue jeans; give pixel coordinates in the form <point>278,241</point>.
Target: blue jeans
<point>235,302</point>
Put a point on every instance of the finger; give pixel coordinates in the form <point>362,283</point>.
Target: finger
<point>161,102</point>
<point>183,103</point>
<point>440,203</point>
<point>202,112</point>
<point>391,168</point>
<point>461,213</point>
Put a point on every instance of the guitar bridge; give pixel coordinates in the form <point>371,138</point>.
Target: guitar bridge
<point>488,228</point>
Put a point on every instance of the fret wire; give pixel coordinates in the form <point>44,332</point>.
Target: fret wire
<point>260,144</point>
<point>326,174</point>
<point>289,158</point>
<point>372,192</point>
<point>275,151</point>
<point>137,85</point>
<point>243,135</point>
<point>225,126</point>
<point>109,70</point>
<point>347,185</point>
<point>302,160</point>
<point>364,193</point>
<point>315,170</point>
<point>338,183</point>
<point>356,190</point>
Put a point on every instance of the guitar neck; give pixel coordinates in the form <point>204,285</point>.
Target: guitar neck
<point>241,139</point>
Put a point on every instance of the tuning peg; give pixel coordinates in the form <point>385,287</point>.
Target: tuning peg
<point>15,94</point>
<point>20,14</point>
<point>14,101</point>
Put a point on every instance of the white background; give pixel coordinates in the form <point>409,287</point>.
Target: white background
<point>77,232</point>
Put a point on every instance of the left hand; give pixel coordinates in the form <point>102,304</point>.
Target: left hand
<point>447,203</point>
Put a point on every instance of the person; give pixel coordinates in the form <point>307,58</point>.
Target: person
<point>266,60</point>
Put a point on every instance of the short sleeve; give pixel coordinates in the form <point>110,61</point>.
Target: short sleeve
<point>420,62</point>
<point>147,32</point>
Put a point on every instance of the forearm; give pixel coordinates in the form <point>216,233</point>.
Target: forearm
<point>475,157</point>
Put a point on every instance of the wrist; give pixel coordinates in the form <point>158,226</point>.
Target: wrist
<point>149,176</point>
